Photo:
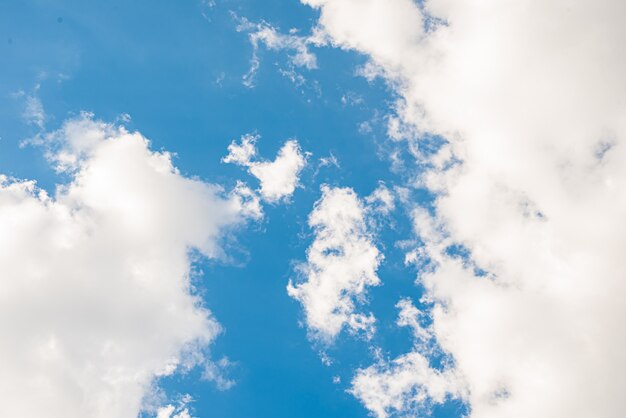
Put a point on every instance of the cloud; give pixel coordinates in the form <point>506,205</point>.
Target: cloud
<point>530,183</point>
<point>279,178</point>
<point>97,300</point>
<point>267,35</point>
<point>382,199</point>
<point>409,384</point>
<point>341,264</point>
<point>323,162</point>
<point>175,411</point>
<point>330,161</point>
<point>33,113</point>
<point>170,411</point>
<point>215,372</point>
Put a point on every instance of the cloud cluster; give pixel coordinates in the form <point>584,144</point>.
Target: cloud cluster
<point>341,265</point>
<point>96,299</point>
<point>531,182</point>
<point>279,178</point>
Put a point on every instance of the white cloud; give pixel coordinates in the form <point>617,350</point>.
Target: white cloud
<point>170,411</point>
<point>96,298</point>
<point>341,264</point>
<point>279,178</point>
<point>214,371</point>
<point>33,112</point>
<point>382,199</point>
<point>267,35</point>
<point>242,153</point>
<point>408,384</point>
<point>330,161</point>
<point>175,411</point>
<point>530,97</point>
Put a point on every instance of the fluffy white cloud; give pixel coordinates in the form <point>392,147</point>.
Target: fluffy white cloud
<point>532,182</point>
<point>408,384</point>
<point>96,299</point>
<point>341,264</point>
<point>278,178</point>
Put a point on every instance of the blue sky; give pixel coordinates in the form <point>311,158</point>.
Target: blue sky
<point>176,69</point>
<point>487,152</point>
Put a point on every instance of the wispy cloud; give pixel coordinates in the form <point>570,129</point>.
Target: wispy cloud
<point>264,34</point>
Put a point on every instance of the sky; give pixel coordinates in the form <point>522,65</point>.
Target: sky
<point>314,208</point>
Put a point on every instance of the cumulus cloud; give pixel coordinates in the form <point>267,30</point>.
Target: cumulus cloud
<point>409,384</point>
<point>96,299</point>
<point>341,265</point>
<point>279,178</point>
<point>530,183</point>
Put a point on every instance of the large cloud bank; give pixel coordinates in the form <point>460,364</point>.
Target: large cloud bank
<point>530,96</point>
<point>95,298</point>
